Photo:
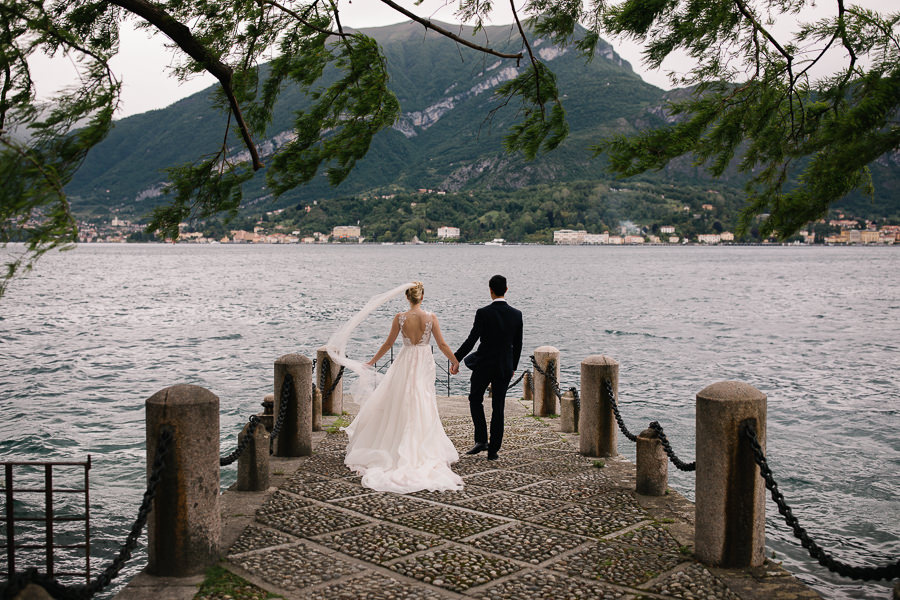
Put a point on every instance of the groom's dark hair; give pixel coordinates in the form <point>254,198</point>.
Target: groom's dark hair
<point>498,285</point>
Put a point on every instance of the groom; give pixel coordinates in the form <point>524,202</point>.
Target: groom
<point>499,327</point>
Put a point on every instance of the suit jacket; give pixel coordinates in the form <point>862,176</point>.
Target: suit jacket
<point>499,328</point>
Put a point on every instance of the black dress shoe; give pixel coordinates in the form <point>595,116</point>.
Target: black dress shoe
<point>477,448</point>
<point>492,455</point>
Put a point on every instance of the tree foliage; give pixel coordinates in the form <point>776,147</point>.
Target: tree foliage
<point>805,138</point>
<point>804,117</point>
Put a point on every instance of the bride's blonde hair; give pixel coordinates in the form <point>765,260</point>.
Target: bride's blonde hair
<point>416,293</point>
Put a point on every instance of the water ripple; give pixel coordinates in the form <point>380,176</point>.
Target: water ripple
<point>85,342</point>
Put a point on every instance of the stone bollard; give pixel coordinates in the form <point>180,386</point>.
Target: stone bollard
<point>730,494</point>
<point>527,387</point>
<point>317,410</point>
<point>652,465</point>
<point>253,463</point>
<point>295,437</point>
<point>568,413</point>
<point>333,404</point>
<point>596,422</point>
<point>184,526</point>
<point>544,401</point>
<point>267,416</point>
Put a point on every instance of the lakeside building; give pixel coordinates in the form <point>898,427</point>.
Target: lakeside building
<point>239,236</point>
<point>569,236</point>
<point>709,238</point>
<point>669,229</point>
<point>596,238</point>
<point>857,236</point>
<point>634,239</point>
<point>346,232</point>
<point>448,232</point>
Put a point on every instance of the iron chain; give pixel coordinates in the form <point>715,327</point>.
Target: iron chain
<point>889,571</point>
<point>159,463</point>
<point>511,385</point>
<point>577,396</point>
<point>242,443</point>
<point>326,367</point>
<point>681,466</point>
<point>549,376</point>
<point>287,390</point>
<point>615,407</point>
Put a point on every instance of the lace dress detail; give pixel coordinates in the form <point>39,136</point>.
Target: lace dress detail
<point>426,335</point>
<point>397,442</point>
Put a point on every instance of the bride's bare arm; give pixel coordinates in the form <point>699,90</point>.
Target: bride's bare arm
<point>436,332</point>
<point>392,336</point>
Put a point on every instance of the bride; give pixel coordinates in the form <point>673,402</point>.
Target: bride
<point>397,442</point>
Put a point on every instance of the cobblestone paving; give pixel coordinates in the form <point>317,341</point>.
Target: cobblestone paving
<point>541,522</point>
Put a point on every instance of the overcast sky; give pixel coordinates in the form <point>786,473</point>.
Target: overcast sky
<point>142,63</point>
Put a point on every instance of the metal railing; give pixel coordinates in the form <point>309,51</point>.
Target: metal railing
<point>49,517</point>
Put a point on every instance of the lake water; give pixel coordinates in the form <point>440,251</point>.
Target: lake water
<point>92,333</point>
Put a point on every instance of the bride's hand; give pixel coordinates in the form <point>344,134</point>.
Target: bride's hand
<point>371,363</point>
<point>454,367</point>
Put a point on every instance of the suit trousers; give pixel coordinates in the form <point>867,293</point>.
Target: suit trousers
<point>499,383</point>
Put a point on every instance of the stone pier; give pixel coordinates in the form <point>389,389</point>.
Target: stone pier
<point>542,522</point>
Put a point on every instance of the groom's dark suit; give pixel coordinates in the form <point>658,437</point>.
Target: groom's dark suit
<point>499,327</point>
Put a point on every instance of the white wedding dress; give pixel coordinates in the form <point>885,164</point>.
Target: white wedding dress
<point>397,442</point>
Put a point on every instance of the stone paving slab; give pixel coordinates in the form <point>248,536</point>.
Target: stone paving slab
<point>295,567</point>
<point>542,522</point>
<point>379,543</point>
<point>617,563</point>
<point>527,542</point>
<point>541,585</point>
<point>449,523</point>
<point>456,568</point>
<point>373,586</point>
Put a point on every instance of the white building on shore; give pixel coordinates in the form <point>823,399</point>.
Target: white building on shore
<point>448,232</point>
<point>596,238</point>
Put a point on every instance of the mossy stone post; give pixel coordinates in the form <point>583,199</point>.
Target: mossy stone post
<point>568,415</point>
<point>326,372</point>
<point>253,463</point>
<point>295,436</point>
<point>528,387</point>
<point>184,527</point>
<point>596,423</point>
<point>267,416</point>
<point>652,464</point>
<point>544,401</point>
<point>730,496</point>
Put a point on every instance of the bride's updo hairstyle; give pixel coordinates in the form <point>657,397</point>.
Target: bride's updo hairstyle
<point>416,293</point>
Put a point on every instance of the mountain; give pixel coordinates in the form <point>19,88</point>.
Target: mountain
<point>449,136</point>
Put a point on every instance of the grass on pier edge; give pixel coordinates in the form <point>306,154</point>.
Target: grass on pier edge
<point>222,584</point>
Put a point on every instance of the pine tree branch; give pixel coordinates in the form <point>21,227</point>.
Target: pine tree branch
<point>182,36</point>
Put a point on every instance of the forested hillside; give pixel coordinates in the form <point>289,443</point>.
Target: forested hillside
<point>448,138</point>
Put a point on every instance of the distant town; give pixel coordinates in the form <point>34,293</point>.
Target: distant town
<point>847,232</point>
